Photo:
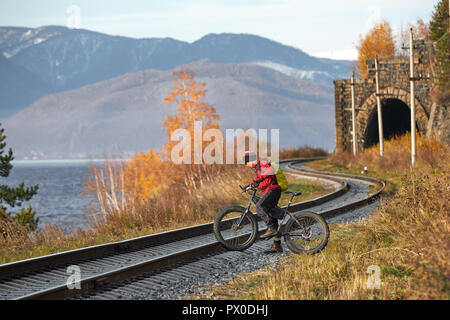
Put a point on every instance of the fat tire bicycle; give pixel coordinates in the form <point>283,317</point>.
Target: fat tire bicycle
<point>236,227</point>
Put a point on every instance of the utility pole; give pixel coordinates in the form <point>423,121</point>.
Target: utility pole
<point>353,115</point>
<point>380,115</point>
<point>413,104</point>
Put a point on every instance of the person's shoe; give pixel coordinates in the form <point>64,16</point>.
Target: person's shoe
<point>276,248</point>
<point>269,233</point>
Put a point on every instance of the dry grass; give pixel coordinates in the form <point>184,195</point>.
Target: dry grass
<point>302,152</point>
<point>395,166</point>
<point>407,238</point>
<point>194,197</point>
<point>397,156</point>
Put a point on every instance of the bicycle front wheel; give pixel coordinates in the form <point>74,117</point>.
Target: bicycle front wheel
<point>234,230</point>
<point>307,233</point>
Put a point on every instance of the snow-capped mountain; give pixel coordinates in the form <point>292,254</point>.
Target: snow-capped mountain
<point>316,76</point>
<point>64,59</point>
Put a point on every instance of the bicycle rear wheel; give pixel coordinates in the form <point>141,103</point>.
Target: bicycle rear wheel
<point>307,233</point>
<point>231,234</point>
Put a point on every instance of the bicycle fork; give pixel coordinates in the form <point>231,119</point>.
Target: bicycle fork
<point>247,210</point>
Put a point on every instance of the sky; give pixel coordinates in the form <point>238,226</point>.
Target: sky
<point>323,28</point>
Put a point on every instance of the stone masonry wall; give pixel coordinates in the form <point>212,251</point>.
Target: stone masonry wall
<point>394,83</point>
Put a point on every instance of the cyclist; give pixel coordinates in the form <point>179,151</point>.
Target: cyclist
<point>267,182</point>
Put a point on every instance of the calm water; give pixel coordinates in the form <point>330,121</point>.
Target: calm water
<point>61,183</point>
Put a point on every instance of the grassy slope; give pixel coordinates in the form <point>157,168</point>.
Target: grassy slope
<point>310,189</point>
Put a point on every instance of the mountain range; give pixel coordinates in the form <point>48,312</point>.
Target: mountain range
<point>79,88</point>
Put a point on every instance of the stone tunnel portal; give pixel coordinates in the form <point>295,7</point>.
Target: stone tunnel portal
<point>396,121</point>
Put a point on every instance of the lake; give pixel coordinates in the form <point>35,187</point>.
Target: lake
<point>61,183</point>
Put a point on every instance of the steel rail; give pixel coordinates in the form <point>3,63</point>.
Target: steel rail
<point>369,199</point>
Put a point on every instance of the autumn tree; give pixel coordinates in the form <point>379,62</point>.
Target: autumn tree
<point>147,174</point>
<point>187,94</point>
<point>420,30</point>
<point>379,41</point>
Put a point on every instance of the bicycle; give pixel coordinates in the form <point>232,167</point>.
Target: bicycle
<point>236,227</point>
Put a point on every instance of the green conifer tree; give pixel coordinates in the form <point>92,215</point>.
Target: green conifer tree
<point>439,27</point>
<point>14,196</point>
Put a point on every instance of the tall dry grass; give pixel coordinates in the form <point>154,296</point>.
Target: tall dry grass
<point>397,155</point>
<point>302,152</point>
<point>185,194</point>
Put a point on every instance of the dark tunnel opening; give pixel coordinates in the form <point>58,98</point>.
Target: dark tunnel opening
<point>396,122</point>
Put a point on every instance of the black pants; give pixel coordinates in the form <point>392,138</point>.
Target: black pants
<point>265,204</point>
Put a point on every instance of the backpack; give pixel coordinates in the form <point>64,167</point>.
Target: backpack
<point>281,179</point>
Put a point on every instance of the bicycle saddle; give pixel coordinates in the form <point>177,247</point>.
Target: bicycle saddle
<point>293,193</point>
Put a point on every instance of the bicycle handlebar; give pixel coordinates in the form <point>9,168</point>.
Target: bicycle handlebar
<point>247,188</point>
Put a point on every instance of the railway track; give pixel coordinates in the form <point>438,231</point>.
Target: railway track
<point>148,262</point>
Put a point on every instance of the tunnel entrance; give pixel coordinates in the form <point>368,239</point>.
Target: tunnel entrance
<point>396,121</point>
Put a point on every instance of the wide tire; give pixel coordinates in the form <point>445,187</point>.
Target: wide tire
<point>308,233</point>
<point>231,236</point>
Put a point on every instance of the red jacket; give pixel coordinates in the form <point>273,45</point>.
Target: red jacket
<point>265,176</point>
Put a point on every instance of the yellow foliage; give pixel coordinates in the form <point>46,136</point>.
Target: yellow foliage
<point>143,175</point>
<point>379,41</point>
<point>187,94</point>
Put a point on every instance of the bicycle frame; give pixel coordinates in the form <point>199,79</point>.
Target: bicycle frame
<point>286,210</point>
<point>255,199</point>
<point>252,199</point>
<point>296,228</point>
